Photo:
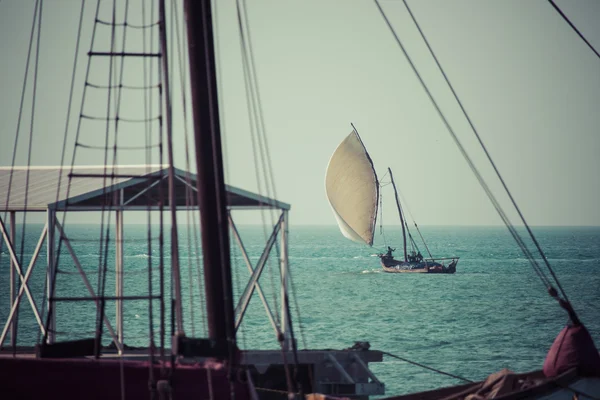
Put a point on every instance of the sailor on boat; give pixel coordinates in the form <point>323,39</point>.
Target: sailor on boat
<point>389,252</point>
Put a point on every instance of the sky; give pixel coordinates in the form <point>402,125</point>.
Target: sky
<point>529,83</point>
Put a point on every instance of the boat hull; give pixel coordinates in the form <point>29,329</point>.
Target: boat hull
<point>389,264</point>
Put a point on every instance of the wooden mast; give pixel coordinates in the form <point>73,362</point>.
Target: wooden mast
<point>209,165</point>
<point>400,213</point>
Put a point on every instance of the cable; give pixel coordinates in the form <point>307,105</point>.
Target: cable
<point>472,166</point>
<point>574,28</point>
<point>426,367</point>
<point>513,231</point>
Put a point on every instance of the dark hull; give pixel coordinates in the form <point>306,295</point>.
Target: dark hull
<point>389,264</point>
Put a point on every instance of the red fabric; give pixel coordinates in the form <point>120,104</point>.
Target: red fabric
<point>22,378</point>
<point>572,348</point>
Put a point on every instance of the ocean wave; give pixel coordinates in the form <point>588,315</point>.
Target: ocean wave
<point>141,255</point>
<point>371,271</point>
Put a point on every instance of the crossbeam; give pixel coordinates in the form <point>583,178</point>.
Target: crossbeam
<point>17,267</point>
<point>87,284</point>
<point>247,294</point>
<point>238,239</point>
<point>15,306</point>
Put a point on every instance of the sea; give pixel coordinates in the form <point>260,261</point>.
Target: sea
<point>493,313</point>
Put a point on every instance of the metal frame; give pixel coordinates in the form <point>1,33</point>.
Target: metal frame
<point>87,284</point>
<point>14,310</point>
<point>53,228</point>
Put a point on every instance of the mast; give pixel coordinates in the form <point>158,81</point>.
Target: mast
<point>209,165</point>
<point>399,213</point>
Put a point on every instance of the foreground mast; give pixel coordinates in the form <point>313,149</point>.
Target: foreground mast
<point>209,165</point>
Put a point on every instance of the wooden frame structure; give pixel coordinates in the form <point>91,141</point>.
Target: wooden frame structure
<point>129,189</point>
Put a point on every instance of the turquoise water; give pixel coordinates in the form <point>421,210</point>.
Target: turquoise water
<point>493,313</point>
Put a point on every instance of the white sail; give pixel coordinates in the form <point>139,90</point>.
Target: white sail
<point>352,190</point>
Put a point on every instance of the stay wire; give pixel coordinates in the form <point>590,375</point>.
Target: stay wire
<point>258,118</point>
<point>31,129</point>
<point>103,263</point>
<point>558,10</point>
<point>254,131</point>
<point>193,222</point>
<point>264,145</point>
<point>471,124</point>
<point>414,222</point>
<point>72,165</point>
<point>426,367</point>
<point>38,17</point>
<point>474,169</point>
<point>250,66</point>
<point>21,106</point>
<point>148,158</point>
<point>120,199</point>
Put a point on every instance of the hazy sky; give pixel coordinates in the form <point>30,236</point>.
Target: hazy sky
<point>531,86</point>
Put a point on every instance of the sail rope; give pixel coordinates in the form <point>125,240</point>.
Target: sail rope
<point>230,319</point>
<point>564,303</point>
<point>31,130</point>
<point>414,222</point>
<point>20,114</point>
<point>193,222</point>
<point>127,24</point>
<point>483,184</point>
<point>259,141</point>
<point>50,284</point>
<point>257,131</point>
<point>37,16</point>
<point>562,14</point>
<point>426,367</point>
<point>147,73</point>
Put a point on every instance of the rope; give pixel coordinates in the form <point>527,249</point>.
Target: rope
<point>483,184</point>
<point>414,222</point>
<point>117,119</point>
<point>122,86</point>
<point>511,228</point>
<point>574,28</point>
<point>22,101</point>
<point>78,131</point>
<point>30,146</point>
<point>189,193</point>
<point>428,368</point>
<point>126,24</point>
<point>97,147</point>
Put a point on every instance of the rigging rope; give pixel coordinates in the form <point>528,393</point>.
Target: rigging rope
<point>426,367</point>
<point>257,118</point>
<point>513,231</point>
<point>254,115</point>
<point>414,222</point>
<point>31,128</point>
<point>183,71</point>
<point>558,10</point>
<point>472,166</point>
<point>126,24</point>
<point>78,130</point>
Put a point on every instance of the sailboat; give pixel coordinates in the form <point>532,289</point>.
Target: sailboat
<point>353,192</point>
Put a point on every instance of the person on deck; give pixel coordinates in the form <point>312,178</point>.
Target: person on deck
<point>389,252</point>
<point>419,257</point>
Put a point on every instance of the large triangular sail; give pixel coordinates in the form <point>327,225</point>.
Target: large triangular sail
<point>353,190</point>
